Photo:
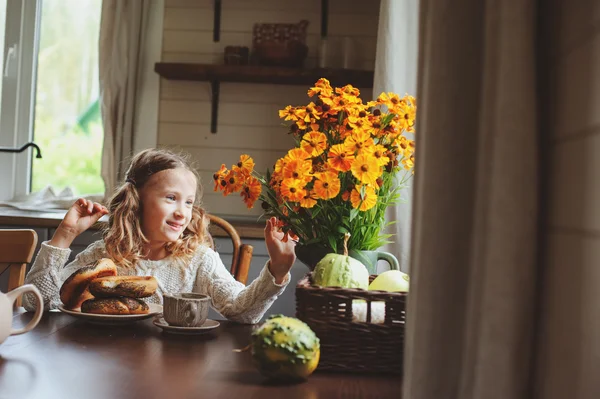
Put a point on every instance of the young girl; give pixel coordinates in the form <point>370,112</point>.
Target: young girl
<point>157,228</point>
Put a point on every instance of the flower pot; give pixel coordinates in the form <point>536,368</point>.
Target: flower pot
<point>370,259</point>
<point>310,255</point>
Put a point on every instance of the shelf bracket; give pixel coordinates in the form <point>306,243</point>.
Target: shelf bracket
<point>324,17</point>
<point>217,21</point>
<point>215,87</point>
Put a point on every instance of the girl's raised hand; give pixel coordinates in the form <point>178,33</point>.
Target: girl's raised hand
<point>80,217</point>
<point>282,254</point>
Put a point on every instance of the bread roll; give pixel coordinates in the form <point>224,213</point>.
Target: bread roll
<point>128,286</point>
<point>119,306</point>
<point>74,290</point>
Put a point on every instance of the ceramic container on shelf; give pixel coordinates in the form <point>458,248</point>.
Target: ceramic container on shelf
<point>280,44</point>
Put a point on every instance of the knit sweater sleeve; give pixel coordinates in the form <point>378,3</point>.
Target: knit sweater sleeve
<point>232,299</point>
<point>48,271</point>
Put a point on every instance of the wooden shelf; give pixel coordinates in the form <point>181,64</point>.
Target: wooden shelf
<point>215,74</point>
<point>263,74</point>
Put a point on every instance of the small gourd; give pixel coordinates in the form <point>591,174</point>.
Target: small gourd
<point>285,349</point>
<point>392,281</point>
<point>336,270</point>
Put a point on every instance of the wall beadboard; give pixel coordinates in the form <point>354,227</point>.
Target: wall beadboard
<point>568,368</point>
<point>248,121</point>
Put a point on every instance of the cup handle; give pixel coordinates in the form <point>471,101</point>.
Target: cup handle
<point>14,294</point>
<point>389,258</point>
<point>191,312</point>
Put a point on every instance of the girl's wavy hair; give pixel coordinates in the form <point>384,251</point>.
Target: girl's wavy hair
<point>123,238</point>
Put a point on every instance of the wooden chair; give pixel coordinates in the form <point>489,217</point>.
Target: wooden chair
<point>242,253</point>
<point>16,250</point>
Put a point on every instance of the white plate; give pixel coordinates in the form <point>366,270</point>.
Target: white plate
<point>204,328</point>
<point>114,318</point>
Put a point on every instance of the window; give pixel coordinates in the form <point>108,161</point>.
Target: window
<point>67,123</point>
<point>50,93</point>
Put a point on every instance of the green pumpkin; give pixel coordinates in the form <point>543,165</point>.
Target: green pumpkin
<point>285,349</point>
<point>336,270</point>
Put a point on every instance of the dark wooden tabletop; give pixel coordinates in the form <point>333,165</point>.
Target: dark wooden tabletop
<point>65,358</point>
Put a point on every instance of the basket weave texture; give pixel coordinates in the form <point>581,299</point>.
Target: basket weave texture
<point>347,346</point>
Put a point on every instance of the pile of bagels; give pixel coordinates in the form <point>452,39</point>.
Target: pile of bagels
<point>96,288</point>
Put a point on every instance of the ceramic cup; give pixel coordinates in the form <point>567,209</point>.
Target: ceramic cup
<point>6,311</point>
<point>185,309</point>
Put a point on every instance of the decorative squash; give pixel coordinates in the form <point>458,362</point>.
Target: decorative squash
<point>285,349</point>
<point>391,280</point>
<point>336,270</point>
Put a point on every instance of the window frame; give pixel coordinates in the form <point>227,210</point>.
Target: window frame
<point>18,96</point>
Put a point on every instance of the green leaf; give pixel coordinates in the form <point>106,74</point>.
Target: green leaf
<point>342,230</point>
<point>332,243</point>
<point>353,214</point>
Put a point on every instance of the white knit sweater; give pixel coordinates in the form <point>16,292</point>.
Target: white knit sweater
<point>204,274</point>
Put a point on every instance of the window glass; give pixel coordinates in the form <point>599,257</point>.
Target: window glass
<point>67,121</point>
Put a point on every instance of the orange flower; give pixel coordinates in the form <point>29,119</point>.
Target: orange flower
<point>250,191</point>
<point>358,140</point>
<point>322,87</point>
<point>379,152</point>
<point>246,165</point>
<point>390,99</point>
<point>348,90</point>
<point>296,153</point>
<point>289,235</point>
<point>233,183</point>
<point>406,117</point>
<point>366,169</point>
<point>289,113</point>
<point>363,198</point>
<point>314,143</point>
<point>218,177</point>
<point>308,201</point>
<point>327,185</point>
<point>293,189</point>
<point>298,169</point>
<point>340,158</point>
<point>408,163</point>
<point>346,195</point>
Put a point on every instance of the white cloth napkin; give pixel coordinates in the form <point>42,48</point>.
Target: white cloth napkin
<point>46,200</point>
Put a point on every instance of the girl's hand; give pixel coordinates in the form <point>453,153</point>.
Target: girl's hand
<point>80,217</point>
<point>281,253</point>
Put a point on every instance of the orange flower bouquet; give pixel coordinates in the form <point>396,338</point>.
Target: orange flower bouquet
<point>348,165</point>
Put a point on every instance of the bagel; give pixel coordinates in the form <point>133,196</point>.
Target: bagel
<point>119,306</point>
<point>74,290</point>
<point>128,286</point>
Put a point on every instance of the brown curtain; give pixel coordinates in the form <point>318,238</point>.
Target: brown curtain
<point>472,313</point>
<point>123,29</point>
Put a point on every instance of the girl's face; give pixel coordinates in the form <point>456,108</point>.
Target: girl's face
<point>167,200</point>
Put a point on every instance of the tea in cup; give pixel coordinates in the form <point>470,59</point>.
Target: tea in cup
<point>185,309</point>
<point>6,311</point>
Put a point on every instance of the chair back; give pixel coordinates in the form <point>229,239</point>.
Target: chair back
<point>242,253</point>
<point>16,250</point>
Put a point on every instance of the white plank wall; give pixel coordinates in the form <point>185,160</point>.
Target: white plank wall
<point>248,113</point>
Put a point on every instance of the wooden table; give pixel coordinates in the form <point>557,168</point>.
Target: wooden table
<point>64,357</point>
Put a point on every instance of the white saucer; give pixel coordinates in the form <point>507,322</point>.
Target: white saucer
<point>203,329</point>
<point>113,319</point>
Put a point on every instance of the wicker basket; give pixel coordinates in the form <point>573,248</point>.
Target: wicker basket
<point>348,346</point>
